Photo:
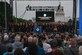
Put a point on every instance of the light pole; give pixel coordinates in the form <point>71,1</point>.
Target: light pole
<point>5,17</point>
<point>16,9</point>
<point>74,16</point>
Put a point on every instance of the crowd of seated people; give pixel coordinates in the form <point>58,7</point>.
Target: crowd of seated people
<point>39,44</point>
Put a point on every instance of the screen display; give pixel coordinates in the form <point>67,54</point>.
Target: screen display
<point>44,16</point>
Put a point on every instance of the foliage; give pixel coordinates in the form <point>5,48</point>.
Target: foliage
<point>77,22</point>
<point>9,14</point>
<point>20,20</point>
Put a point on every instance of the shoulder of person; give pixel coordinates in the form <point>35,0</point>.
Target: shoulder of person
<point>24,49</point>
<point>80,48</point>
<point>5,53</point>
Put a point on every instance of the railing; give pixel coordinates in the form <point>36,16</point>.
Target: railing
<point>44,0</point>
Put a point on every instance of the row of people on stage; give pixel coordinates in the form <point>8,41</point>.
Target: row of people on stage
<point>23,27</point>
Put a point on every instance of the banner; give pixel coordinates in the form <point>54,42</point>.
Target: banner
<point>37,29</point>
<point>80,18</point>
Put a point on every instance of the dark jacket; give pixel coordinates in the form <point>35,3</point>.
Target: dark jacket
<point>40,51</point>
<point>71,50</point>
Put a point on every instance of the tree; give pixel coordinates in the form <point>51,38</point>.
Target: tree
<point>20,20</point>
<point>70,21</point>
<point>2,13</point>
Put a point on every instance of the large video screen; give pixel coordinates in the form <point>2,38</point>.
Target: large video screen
<point>44,16</point>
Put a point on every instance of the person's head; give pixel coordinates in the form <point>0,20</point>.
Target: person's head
<point>54,43</point>
<point>59,40</point>
<point>6,37</point>
<point>68,38</point>
<point>45,39</point>
<point>30,39</point>
<point>25,36</point>
<point>57,36</point>
<point>19,51</point>
<point>80,39</point>
<point>66,33</point>
<point>73,42</point>
<point>80,50</point>
<point>62,36</point>
<point>35,40</point>
<point>17,38</point>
